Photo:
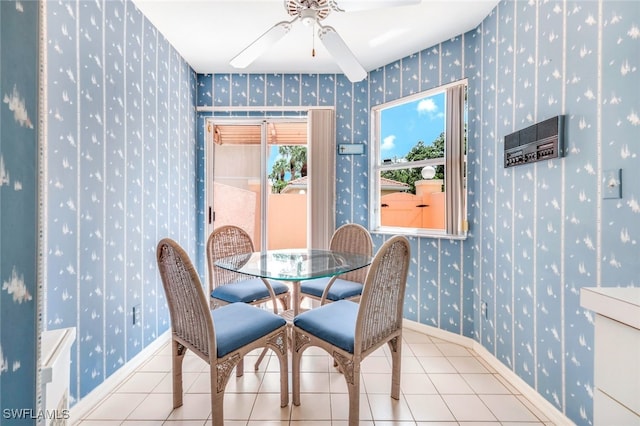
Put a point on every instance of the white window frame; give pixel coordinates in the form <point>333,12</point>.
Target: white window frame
<point>456,201</point>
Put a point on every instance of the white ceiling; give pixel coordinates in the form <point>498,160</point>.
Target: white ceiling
<point>208,33</point>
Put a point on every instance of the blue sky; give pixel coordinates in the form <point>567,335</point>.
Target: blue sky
<point>402,126</point>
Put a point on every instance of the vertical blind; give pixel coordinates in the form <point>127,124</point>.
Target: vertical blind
<point>455,159</point>
<point>322,182</point>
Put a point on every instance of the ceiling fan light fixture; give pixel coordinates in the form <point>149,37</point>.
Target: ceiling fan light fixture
<point>308,17</point>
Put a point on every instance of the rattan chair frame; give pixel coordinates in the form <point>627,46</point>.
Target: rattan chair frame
<point>192,328</point>
<point>379,321</point>
<point>348,238</point>
<point>229,240</point>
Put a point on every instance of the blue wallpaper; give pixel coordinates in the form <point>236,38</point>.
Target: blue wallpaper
<point>123,145</point>
<point>539,232</point>
<point>119,177</point>
<point>18,208</point>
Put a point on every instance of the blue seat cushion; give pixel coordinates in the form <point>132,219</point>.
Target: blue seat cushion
<point>341,289</point>
<point>239,324</point>
<point>334,323</point>
<point>247,291</point>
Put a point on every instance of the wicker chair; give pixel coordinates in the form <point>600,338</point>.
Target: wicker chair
<point>349,238</point>
<point>351,331</point>
<point>220,337</point>
<point>230,287</point>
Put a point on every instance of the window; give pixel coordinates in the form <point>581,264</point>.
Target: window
<point>419,161</point>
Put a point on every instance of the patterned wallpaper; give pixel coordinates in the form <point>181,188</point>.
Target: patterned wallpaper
<point>121,155</point>
<point>538,232</point>
<point>120,164</point>
<point>18,206</point>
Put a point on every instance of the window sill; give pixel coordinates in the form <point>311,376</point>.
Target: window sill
<point>416,232</point>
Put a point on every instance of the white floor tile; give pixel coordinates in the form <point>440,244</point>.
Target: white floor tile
<point>116,406</point>
<point>508,408</point>
<point>314,382</point>
<point>142,382</point>
<point>238,406</point>
<point>429,408</point>
<point>376,383</point>
<point>373,364</point>
<point>442,384</point>
<point>467,364</point>
<point>267,407</point>
<point>338,384</point>
<point>425,349</point>
<point>468,407</point>
<point>156,406</point>
<point>385,408</point>
<point>443,424</point>
<point>157,363</point>
<point>416,384</point>
<point>411,336</point>
<point>166,384</point>
<point>312,407</point>
<point>485,384</point>
<point>436,364</point>
<point>340,407</point>
<point>249,382</point>
<point>451,349</point>
<point>410,365</point>
<point>195,406</point>
<point>450,384</point>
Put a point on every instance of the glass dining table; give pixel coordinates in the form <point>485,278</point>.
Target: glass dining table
<point>294,266</point>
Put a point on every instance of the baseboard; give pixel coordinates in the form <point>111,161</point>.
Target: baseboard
<point>545,407</point>
<point>97,395</point>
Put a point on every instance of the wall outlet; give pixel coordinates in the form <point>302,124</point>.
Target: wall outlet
<point>612,183</point>
<point>484,309</point>
<point>136,315</point>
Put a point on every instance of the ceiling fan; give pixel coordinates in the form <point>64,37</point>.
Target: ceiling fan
<point>311,13</point>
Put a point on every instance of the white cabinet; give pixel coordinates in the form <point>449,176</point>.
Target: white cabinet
<point>617,354</point>
<point>56,365</point>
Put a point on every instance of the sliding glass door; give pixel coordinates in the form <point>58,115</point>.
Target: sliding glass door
<point>257,179</point>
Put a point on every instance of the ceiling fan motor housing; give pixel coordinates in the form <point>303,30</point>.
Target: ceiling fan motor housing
<point>308,11</point>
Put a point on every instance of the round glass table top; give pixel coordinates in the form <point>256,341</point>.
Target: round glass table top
<point>294,264</point>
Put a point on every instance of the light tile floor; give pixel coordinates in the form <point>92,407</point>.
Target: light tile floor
<point>442,384</point>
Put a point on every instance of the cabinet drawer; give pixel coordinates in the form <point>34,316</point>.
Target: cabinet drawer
<point>608,412</point>
<point>617,361</point>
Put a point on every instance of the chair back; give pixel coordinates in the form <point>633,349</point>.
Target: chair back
<point>191,321</point>
<point>382,301</point>
<point>224,241</point>
<point>353,238</point>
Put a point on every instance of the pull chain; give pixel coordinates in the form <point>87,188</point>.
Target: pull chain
<point>313,41</point>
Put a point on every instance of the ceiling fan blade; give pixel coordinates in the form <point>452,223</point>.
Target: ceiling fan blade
<point>261,44</point>
<point>355,5</point>
<point>342,54</point>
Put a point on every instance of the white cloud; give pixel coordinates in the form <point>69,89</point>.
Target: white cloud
<point>427,106</point>
<point>388,142</point>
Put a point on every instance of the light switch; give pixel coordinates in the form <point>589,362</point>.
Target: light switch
<point>612,183</point>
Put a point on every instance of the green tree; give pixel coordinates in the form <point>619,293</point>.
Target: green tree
<point>293,159</point>
<point>419,151</point>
